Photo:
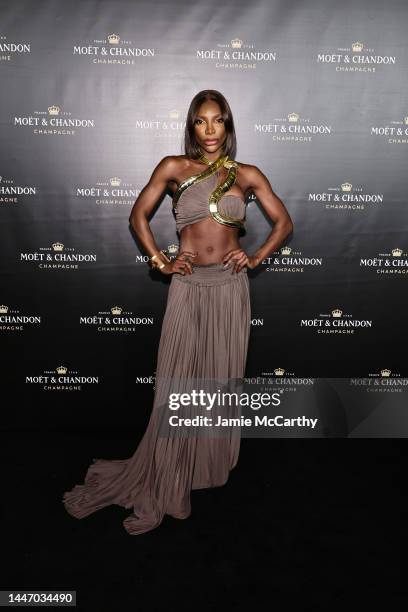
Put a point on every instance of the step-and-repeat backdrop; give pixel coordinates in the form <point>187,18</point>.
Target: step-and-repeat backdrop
<point>95,93</point>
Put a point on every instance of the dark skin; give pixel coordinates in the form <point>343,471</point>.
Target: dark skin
<point>208,241</point>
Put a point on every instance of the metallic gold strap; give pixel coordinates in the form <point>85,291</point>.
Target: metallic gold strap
<point>197,178</point>
<point>219,192</point>
<point>216,195</point>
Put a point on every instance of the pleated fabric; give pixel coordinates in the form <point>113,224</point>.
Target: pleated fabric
<point>203,344</point>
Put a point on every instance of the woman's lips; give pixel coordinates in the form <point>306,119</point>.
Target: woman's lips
<point>210,141</point>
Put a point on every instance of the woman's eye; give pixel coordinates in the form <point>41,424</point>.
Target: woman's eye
<point>197,121</point>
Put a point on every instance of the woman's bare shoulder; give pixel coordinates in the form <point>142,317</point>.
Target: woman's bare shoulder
<point>247,175</point>
<point>246,170</point>
<point>174,166</point>
<point>167,169</point>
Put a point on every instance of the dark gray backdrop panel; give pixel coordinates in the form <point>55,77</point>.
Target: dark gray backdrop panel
<point>94,94</point>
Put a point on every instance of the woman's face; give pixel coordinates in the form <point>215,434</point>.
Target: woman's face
<point>209,128</point>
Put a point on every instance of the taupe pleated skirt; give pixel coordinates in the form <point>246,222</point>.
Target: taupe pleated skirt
<point>203,345</point>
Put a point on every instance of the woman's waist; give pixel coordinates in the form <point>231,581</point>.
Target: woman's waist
<point>207,251</point>
<point>211,274</point>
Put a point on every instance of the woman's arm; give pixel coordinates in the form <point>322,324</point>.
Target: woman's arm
<point>257,182</point>
<point>164,172</point>
<point>147,200</point>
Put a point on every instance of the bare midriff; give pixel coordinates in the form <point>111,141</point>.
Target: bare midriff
<point>209,239</point>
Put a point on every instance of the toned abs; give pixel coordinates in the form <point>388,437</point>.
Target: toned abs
<point>209,239</point>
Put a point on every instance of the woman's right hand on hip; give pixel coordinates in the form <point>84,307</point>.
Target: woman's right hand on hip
<point>181,264</point>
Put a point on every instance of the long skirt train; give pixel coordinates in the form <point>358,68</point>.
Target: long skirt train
<point>203,344</point>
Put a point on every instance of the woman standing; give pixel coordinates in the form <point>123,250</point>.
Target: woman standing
<point>206,325</point>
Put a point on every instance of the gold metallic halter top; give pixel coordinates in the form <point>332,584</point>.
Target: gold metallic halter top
<point>205,197</point>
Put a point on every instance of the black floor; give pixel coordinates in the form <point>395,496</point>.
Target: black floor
<point>316,524</point>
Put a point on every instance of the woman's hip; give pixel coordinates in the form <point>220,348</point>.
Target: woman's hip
<point>212,275</point>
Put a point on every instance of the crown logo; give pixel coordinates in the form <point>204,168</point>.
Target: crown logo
<point>172,248</point>
<point>3,309</point>
<point>336,313</point>
<point>385,372</point>
<point>346,186</point>
<point>286,250</point>
<point>113,39</point>
<point>293,117</point>
<point>236,43</point>
<point>115,181</point>
<point>62,370</point>
<point>357,46</point>
<point>116,310</point>
<point>406,120</point>
<point>279,371</point>
<point>396,252</point>
<point>174,114</point>
<point>53,110</point>
<point>57,246</point>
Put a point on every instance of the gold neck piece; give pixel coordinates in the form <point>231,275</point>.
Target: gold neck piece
<point>205,159</point>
